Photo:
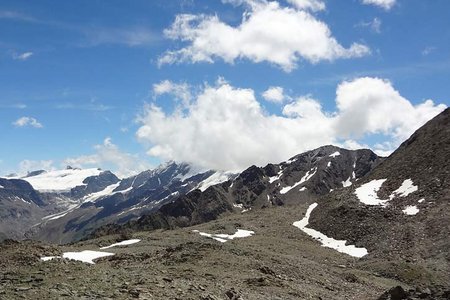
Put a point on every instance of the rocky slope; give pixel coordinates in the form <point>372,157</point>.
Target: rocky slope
<point>400,212</point>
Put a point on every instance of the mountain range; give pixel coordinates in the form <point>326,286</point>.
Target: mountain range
<point>389,215</point>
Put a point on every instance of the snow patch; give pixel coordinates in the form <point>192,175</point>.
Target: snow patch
<point>347,183</point>
<point>329,164</point>
<point>404,190</point>
<point>367,193</point>
<point>305,178</point>
<point>122,243</point>
<point>411,210</point>
<point>86,256</point>
<point>1,186</point>
<point>337,153</point>
<point>302,189</point>
<point>338,245</point>
<point>421,200</point>
<point>240,233</point>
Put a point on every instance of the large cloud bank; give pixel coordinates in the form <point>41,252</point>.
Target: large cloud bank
<point>225,127</point>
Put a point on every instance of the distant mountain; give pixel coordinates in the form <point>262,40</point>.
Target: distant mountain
<point>40,196</point>
<point>123,200</point>
<point>303,177</point>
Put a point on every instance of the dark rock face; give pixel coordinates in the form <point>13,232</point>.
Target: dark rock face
<point>94,184</point>
<point>19,188</point>
<point>20,206</point>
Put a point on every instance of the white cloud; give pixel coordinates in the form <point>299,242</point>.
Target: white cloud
<point>108,156</point>
<point>313,5</point>
<point>226,128</point>
<point>131,37</point>
<point>274,94</point>
<point>372,105</point>
<point>268,32</point>
<point>181,91</point>
<point>22,56</point>
<point>385,4</point>
<point>27,165</point>
<point>27,121</point>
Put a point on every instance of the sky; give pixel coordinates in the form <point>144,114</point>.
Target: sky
<point>221,84</point>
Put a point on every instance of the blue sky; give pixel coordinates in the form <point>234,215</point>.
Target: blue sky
<point>79,79</point>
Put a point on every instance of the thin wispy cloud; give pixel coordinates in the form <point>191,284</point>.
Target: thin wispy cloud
<point>27,122</point>
<point>428,50</point>
<point>22,56</point>
<point>84,106</point>
<point>16,16</point>
<point>131,37</point>
<point>374,25</point>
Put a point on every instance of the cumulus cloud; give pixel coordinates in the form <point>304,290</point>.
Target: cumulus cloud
<point>268,32</point>
<point>22,56</point>
<point>313,5</point>
<point>274,94</point>
<point>27,121</point>
<point>226,128</point>
<point>108,156</point>
<point>385,4</point>
<point>181,91</point>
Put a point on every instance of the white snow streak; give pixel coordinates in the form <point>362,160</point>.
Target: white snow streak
<point>240,233</point>
<point>338,245</point>
<point>305,178</point>
<point>122,243</point>
<point>105,192</point>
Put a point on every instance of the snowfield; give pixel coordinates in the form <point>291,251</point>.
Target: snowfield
<point>61,180</point>
<point>240,233</point>
<point>338,245</point>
